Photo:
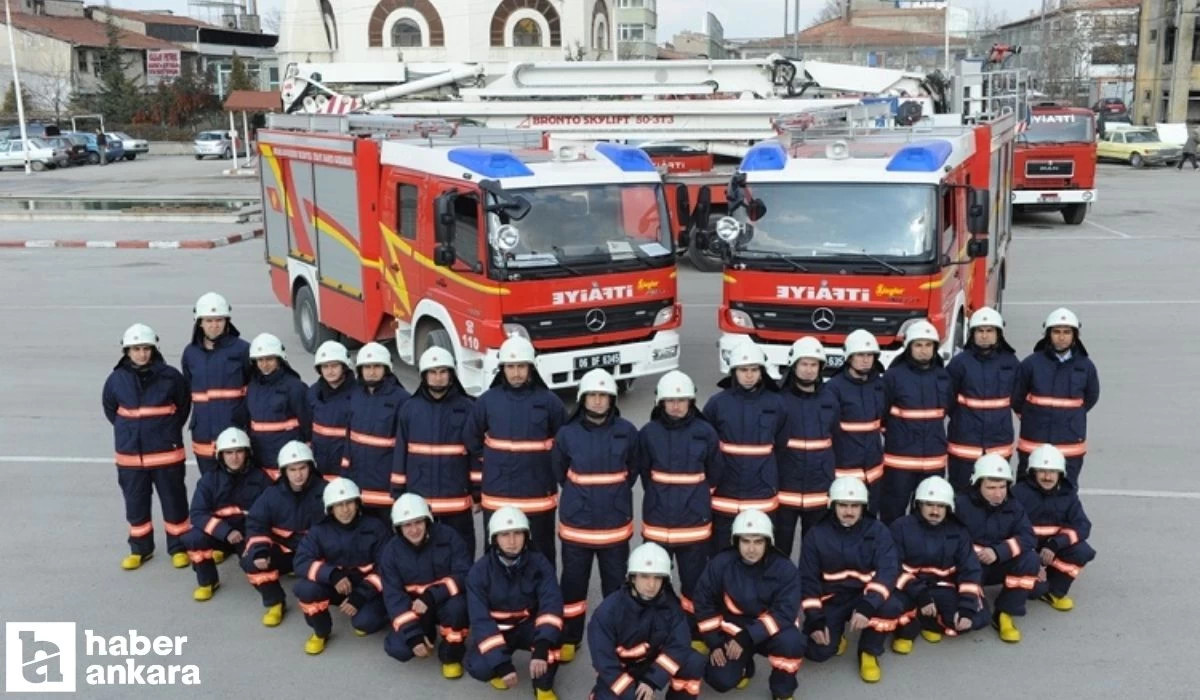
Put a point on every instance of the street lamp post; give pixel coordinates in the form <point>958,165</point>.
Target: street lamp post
<point>12,54</point>
<point>946,39</point>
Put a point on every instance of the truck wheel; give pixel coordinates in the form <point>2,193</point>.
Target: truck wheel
<point>431,335</point>
<point>1074,213</point>
<point>308,326</point>
<point>703,260</point>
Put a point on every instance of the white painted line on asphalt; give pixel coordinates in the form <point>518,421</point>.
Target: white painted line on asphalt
<point>1113,231</point>
<point>1104,302</point>
<point>1064,238</point>
<point>1122,493</point>
<point>123,307</point>
<point>38,459</point>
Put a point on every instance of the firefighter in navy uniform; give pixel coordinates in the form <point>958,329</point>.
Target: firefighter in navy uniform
<point>277,522</point>
<point>219,507</point>
<point>595,461</point>
<point>147,403</point>
<point>848,569</point>
<point>918,393</point>
<point>424,570</point>
<point>639,636</point>
<point>515,605</point>
<point>510,434</point>
<point>1056,388</point>
<point>337,562</point>
<point>679,462</point>
<point>431,459</point>
<point>747,602</point>
<point>329,406</point>
<point>1059,523</point>
<point>857,440</point>
<point>374,414</point>
<point>216,367</point>
<point>1003,540</point>
<point>806,449</point>
<point>983,377</point>
<point>939,589</point>
<point>277,402</point>
<point>749,417</point>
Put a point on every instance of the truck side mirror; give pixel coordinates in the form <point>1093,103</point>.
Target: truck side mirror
<point>444,218</point>
<point>978,211</point>
<point>977,248</point>
<point>756,209</point>
<point>444,255</point>
<point>683,207</point>
<point>703,208</point>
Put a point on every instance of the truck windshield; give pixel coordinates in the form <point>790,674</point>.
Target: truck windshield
<point>621,226</point>
<point>828,220</point>
<point>1057,128</point>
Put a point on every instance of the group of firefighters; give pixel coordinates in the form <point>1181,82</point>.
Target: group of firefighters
<point>368,494</point>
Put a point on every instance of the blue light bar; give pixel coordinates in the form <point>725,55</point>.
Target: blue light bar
<point>764,155</point>
<point>628,158</point>
<point>921,157</point>
<point>488,163</point>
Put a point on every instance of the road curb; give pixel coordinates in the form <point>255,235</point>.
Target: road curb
<point>201,244</point>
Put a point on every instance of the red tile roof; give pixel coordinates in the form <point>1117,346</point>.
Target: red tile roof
<point>839,31</point>
<point>1078,6</point>
<point>156,17</point>
<point>84,32</point>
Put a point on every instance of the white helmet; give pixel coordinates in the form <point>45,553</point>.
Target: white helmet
<point>674,385</point>
<point>410,507</point>
<point>435,358</point>
<point>935,489</point>
<point>139,334</point>
<point>340,490</point>
<point>984,317</point>
<point>747,354</point>
<point>331,351</point>
<point>754,523</point>
<point>294,452</point>
<point>596,381</point>
<point>992,466</point>
<point>211,305</point>
<point>921,330</point>
<point>516,350</point>
<point>373,354</point>
<point>860,341</point>
<point>847,489</point>
<point>232,439</point>
<point>1048,457</point>
<point>507,519</point>
<point>1061,317</point>
<point>807,347</point>
<point>267,345</point>
<point>649,558</point>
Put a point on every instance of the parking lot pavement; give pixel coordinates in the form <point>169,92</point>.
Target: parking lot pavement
<point>1128,271</point>
<point>150,175</point>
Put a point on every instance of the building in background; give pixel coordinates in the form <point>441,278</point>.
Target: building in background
<point>709,42</point>
<point>840,41</point>
<point>1168,62</point>
<point>637,29</point>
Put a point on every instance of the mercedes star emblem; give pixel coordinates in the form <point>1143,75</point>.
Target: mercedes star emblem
<point>823,318</point>
<point>595,320</point>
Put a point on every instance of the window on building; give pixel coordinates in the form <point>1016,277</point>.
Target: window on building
<point>466,230</point>
<point>1153,35</point>
<point>407,33</point>
<point>633,32</point>
<point>600,37</point>
<point>1169,46</point>
<point>636,4</point>
<point>1196,42</point>
<point>81,58</point>
<point>406,211</point>
<point>273,78</point>
<point>526,32</point>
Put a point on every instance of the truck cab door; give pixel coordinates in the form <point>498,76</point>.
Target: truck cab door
<point>457,281</point>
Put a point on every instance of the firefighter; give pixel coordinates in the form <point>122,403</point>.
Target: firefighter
<point>595,461</point>
<point>848,570</point>
<point>857,440</point>
<point>679,462</point>
<point>431,459</point>
<point>982,378</point>
<point>216,365</point>
<point>219,507</point>
<point>277,402</point>
<point>374,411</point>
<point>515,605</point>
<point>424,570</point>
<point>329,406</point>
<point>1003,540</point>
<point>747,601</point>
<point>939,589</point>
<point>639,636</point>
<point>278,521</point>
<point>917,391</point>
<point>749,417</point>
<point>147,403</point>
<point>806,450</point>
<point>1059,523</point>
<point>337,562</point>
<point>1056,387</point>
<point>510,433</point>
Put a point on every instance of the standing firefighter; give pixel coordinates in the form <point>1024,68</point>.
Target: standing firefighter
<point>431,459</point>
<point>424,570</point>
<point>1056,388</point>
<point>983,377</point>
<point>595,461</point>
<point>219,507</point>
<point>857,440</point>
<point>216,366</point>
<point>147,403</point>
<point>374,414</point>
<point>329,406</point>
<point>277,523</point>
<point>277,402</point>
<point>514,604</point>
<point>511,433</point>
<point>639,637</point>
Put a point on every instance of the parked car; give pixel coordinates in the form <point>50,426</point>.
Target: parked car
<point>33,130</point>
<point>74,146</point>
<point>1110,105</point>
<point>114,149</point>
<point>213,143</point>
<point>133,147</point>
<point>1139,146</point>
<point>42,155</point>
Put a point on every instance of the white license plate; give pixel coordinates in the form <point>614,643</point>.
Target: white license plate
<point>603,360</point>
<point>1049,198</point>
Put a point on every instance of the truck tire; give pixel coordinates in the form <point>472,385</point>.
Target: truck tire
<point>308,325</point>
<point>431,335</point>
<point>1074,213</point>
<point>702,260</point>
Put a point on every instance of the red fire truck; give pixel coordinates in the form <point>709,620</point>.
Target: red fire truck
<point>1055,161</point>
<point>460,237</point>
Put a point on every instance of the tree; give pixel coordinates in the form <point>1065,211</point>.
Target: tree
<point>119,97</point>
<point>10,98</point>
<point>272,20</point>
<point>832,9</point>
<point>51,83</point>
<point>239,78</point>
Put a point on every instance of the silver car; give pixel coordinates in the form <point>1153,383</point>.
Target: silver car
<point>213,143</point>
<point>133,147</point>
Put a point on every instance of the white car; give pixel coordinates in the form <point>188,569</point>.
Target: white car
<point>41,155</point>
<point>133,147</point>
<point>213,143</point>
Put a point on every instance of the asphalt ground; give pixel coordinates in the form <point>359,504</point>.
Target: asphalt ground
<point>1128,271</point>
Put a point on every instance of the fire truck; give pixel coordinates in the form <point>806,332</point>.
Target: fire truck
<point>441,235</point>
<point>1055,161</point>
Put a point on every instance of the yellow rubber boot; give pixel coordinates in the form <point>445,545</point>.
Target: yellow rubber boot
<point>1008,631</point>
<point>567,654</point>
<point>1063,604</point>
<point>498,684</point>
<point>218,556</point>
<point>135,561</point>
<point>868,668</point>
<point>931,636</point>
<point>273,616</point>
<point>902,646</point>
<point>452,671</point>
<point>842,646</point>
<point>743,684</point>
<point>315,645</point>
<point>545,695</point>
<point>360,633</point>
<point>179,560</point>
<point>203,593</point>
<point>701,647</point>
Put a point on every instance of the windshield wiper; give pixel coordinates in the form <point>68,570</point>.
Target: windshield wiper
<point>558,258</point>
<point>869,256</point>
<point>779,256</point>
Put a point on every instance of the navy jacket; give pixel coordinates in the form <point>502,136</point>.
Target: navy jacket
<point>1057,516</point>
<point>981,415</point>
<point>373,424</point>
<point>218,379</point>
<point>147,409</point>
<point>633,641</point>
<point>500,598</point>
<point>749,423</point>
<point>937,555</point>
<point>917,399</point>
<point>805,450</point>
<point>434,572</point>
<point>431,459</point>
<point>596,464</point>
<point>278,409</point>
<point>857,439</point>
<point>1004,528</point>
<point>839,565</point>
<point>332,551</point>
<point>747,602</point>
<point>223,498</point>
<point>281,517</point>
<point>329,411</point>
<point>679,463</point>
<point>1053,399</point>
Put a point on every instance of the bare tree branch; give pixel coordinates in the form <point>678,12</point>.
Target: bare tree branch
<point>271,20</point>
<point>832,9</point>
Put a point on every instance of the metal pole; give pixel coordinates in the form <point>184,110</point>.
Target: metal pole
<point>946,39</point>
<point>785,21</point>
<point>1044,55</point>
<point>12,53</point>
<point>246,135</point>
<point>796,30</point>
<point>614,32</point>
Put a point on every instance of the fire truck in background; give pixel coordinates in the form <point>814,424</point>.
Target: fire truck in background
<point>456,237</point>
<point>1055,162</point>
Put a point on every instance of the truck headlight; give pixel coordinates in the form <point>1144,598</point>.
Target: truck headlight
<point>665,316</point>
<point>741,319</point>
<point>511,329</point>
